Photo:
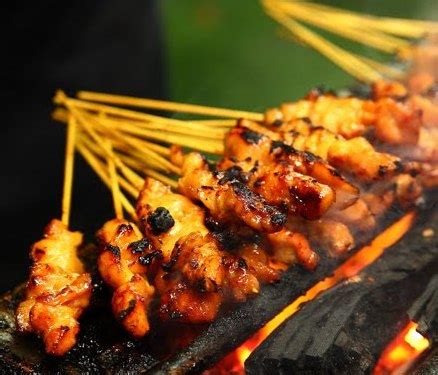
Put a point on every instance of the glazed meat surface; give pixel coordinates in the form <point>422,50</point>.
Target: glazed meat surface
<point>196,275</point>
<point>58,290</point>
<point>241,143</point>
<point>166,217</point>
<point>122,263</point>
<point>393,121</point>
<point>355,156</point>
<point>227,200</point>
<point>281,186</point>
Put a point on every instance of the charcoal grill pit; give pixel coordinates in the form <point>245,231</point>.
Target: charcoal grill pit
<point>103,346</point>
<point>349,326</point>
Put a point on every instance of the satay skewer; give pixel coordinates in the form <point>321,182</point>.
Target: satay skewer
<point>59,289</point>
<point>68,170</point>
<point>168,106</point>
<point>120,267</point>
<point>118,210</point>
<point>99,169</point>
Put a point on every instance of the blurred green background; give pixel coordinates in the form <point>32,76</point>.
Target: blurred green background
<point>229,53</point>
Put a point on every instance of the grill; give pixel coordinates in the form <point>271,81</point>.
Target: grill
<point>346,329</point>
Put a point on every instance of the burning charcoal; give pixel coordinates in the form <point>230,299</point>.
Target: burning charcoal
<point>346,329</point>
<point>104,348</point>
<point>425,311</point>
<point>427,365</point>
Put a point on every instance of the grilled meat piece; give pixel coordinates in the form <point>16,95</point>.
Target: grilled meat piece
<point>281,186</point>
<point>394,122</point>
<point>176,209</point>
<point>403,190</point>
<point>264,265</point>
<point>289,245</point>
<point>349,117</point>
<point>199,261</point>
<point>122,266</point>
<point>58,290</point>
<point>182,303</point>
<point>355,156</point>
<point>196,274</point>
<point>358,217</point>
<point>239,146</point>
<point>334,236</point>
<point>227,199</point>
<point>424,100</point>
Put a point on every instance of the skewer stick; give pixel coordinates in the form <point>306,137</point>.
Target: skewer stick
<point>137,165</point>
<point>68,170</point>
<point>339,56</point>
<point>364,34</point>
<point>167,106</point>
<point>397,26</point>
<point>115,190</point>
<point>100,170</point>
<point>127,186</point>
<point>61,98</point>
<point>198,142</point>
<point>61,114</point>
<point>160,162</point>
<point>256,127</point>
<point>226,123</point>
<point>135,179</point>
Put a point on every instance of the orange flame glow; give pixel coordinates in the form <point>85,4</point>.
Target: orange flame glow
<point>234,362</point>
<point>402,351</point>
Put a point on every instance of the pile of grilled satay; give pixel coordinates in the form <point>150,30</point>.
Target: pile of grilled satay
<point>307,181</point>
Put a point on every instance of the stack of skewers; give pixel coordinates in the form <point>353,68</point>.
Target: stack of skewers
<point>221,205</point>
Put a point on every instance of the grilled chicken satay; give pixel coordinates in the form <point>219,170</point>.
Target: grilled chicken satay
<point>58,290</point>
<point>227,199</point>
<point>355,156</point>
<point>423,94</point>
<point>332,235</point>
<point>290,245</point>
<point>358,216</point>
<point>122,263</point>
<point>165,217</point>
<point>425,100</point>
<point>195,269</point>
<point>265,254</point>
<point>281,186</point>
<point>395,122</point>
<point>242,143</point>
<point>404,190</point>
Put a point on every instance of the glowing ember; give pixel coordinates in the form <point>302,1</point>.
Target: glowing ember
<point>402,351</point>
<point>234,362</point>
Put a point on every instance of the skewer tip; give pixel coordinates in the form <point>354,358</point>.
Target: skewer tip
<point>60,97</point>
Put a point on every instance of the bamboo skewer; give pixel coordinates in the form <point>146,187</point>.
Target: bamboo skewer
<point>362,34</point>
<point>205,144</point>
<point>115,190</point>
<point>68,170</point>
<point>133,142</point>
<point>396,26</point>
<point>128,173</point>
<point>100,170</point>
<point>346,60</point>
<point>61,98</point>
<point>133,177</point>
<point>382,33</point>
<point>139,166</point>
<point>167,106</point>
<point>127,186</point>
<point>226,123</point>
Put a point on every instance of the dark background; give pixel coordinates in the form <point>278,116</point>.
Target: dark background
<point>110,46</point>
<point>217,52</point>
